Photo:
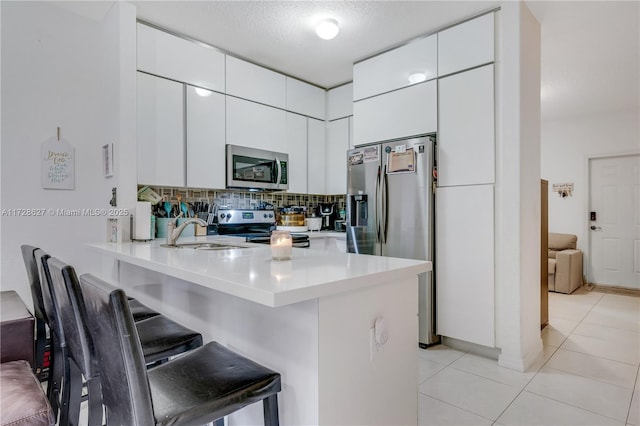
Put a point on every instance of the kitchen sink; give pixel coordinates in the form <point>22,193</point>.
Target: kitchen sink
<point>203,246</point>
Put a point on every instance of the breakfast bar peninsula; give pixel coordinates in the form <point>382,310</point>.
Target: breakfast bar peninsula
<point>341,329</point>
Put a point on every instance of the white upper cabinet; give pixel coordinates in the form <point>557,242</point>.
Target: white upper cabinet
<point>305,99</point>
<point>466,45</point>
<point>316,153</point>
<point>340,102</point>
<point>160,126</point>
<point>406,112</point>
<point>253,82</point>
<point>401,67</point>
<point>297,150</point>
<point>255,125</point>
<point>205,139</point>
<point>169,56</point>
<point>337,147</point>
<point>466,136</point>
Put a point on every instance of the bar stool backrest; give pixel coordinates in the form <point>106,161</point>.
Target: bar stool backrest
<point>49,303</point>
<point>125,387</point>
<point>34,282</point>
<point>67,293</point>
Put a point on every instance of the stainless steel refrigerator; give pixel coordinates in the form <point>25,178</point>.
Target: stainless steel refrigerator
<point>390,210</point>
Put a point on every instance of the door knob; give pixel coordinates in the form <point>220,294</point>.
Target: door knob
<point>595,228</point>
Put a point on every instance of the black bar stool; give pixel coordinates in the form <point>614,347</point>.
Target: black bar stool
<point>162,339</point>
<point>199,387</point>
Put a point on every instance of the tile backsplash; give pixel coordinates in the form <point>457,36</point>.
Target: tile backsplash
<point>248,200</point>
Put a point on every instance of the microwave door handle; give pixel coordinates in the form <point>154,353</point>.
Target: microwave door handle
<point>279,176</point>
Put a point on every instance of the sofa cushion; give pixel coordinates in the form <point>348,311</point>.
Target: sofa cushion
<point>22,400</point>
<point>561,241</point>
<point>551,265</point>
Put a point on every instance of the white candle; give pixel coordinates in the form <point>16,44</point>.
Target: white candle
<point>281,245</point>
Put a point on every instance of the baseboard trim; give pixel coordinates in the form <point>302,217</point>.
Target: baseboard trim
<point>612,289</point>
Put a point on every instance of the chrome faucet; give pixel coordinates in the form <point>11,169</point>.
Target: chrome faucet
<point>173,232</point>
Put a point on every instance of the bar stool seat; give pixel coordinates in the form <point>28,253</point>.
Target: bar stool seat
<point>208,383</point>
<point>162,338</point>
<point>141,312</point>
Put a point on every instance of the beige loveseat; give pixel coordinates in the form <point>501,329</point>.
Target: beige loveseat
<point>565,263</point>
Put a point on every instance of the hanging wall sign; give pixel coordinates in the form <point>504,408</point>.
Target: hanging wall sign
<point>57,159</point>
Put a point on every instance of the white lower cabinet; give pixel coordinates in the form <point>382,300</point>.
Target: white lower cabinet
<point>465,306</point>
<point>316,156</point>
<point>406,112</point>
<point>337,146</point>
<point>205,139</point>
<point>255,125</point>
<point>160,127</point>
<point>297,150</point>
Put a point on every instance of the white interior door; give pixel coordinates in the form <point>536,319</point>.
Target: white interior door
<point>615,232</point>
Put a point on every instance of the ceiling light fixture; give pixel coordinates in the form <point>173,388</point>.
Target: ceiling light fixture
<point>327,29</point>
<point>417,77</point>
<point>203,92</point>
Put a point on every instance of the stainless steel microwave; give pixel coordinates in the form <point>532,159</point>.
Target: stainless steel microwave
<point>256,169</point>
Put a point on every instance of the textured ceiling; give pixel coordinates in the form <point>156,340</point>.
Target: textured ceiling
<point>590,49</point>
<point>280,34</point>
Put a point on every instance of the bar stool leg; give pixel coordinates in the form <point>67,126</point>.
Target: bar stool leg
<point>95,402</point>
<point>71,395</point>
<point>56,369</point>
<point>270,406</point>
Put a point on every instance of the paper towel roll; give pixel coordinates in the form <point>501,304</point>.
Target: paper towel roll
<point>142,222</point>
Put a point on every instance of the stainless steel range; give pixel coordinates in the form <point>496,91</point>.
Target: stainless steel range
<point>246,222</point>
<point>255,225</point>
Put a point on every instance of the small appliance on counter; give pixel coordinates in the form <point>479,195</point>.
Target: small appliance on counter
<point>313,223</point>
<point>340,226</point>
<point>329,214</point>
<point>291,219</point>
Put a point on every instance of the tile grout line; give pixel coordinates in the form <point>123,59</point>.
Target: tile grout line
<point>635,388</point>
<point>459,408</point>
<point>574,406</point>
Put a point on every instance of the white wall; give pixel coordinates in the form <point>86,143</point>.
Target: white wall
<point>517,188</point>
<point>566,146</point>
<point>58,69</point>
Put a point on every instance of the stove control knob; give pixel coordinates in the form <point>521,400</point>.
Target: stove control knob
<point>222,216</point>
<point>265,215</point>
<point>228,216</point>
<point>271,215</point>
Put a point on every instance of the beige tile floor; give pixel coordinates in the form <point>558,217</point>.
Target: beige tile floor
<point>588,374</point>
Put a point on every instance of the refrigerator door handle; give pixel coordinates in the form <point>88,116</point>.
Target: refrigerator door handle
<point>377,204</point>
<point>385,205</point>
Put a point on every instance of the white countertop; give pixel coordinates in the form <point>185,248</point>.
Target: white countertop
<point>249,273</point>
